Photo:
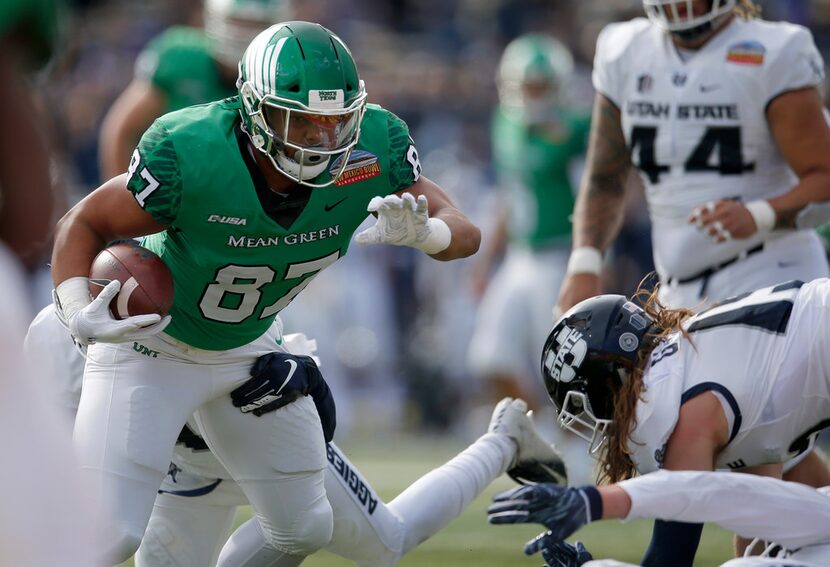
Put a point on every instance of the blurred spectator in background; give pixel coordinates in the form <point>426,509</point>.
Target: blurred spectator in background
<point>29,31</point>
<point>40,462</point>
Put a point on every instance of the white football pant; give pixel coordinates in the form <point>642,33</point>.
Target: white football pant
<point>799,256</point>
<point>135,399</point>
<point>189,531</point>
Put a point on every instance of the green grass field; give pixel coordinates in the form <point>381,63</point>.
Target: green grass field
<point>469,540</point>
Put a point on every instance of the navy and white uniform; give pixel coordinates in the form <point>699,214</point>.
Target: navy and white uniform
<point>793,515</point>
<point>695,122</point>
<point>765,355</point>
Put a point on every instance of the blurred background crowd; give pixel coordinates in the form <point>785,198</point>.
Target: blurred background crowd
<point>393,327</point>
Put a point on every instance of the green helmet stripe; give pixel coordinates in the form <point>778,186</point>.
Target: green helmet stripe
<point>261,62</point>
<point>269,54</point>
<point>263,71</point>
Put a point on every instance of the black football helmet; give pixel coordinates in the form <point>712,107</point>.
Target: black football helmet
<point>588,356</point>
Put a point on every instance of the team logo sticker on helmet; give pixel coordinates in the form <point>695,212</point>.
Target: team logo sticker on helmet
<point>564,363</point>
<point>629,342</point>
<point>325,99</point>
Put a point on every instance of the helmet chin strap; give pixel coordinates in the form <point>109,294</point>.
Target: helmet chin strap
<point>700,31</point>
<point>310,168</point>
<point>694,33</point>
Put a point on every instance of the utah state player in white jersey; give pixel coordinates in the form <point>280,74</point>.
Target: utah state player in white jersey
<point>743,385</point>
<point>720,114</point>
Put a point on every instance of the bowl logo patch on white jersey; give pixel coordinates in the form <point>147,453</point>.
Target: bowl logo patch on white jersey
<point>570,354</point>
<point>748,52</point>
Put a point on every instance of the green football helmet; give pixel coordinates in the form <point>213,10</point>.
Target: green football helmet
<point>302,100</point>
<point>231,25</point>
<point>531,75</point>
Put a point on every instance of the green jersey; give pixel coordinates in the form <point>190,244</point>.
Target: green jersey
<point>532,164</point>
<point>179,63</point>
<point>234,266</point>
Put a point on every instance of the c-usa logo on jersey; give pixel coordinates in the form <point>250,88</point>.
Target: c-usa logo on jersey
<point>570,354</point>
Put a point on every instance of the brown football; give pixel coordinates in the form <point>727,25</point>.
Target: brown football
<point>146,281</point>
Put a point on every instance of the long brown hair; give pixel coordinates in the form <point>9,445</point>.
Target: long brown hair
<point>615,459</point>
<point>747,9</point>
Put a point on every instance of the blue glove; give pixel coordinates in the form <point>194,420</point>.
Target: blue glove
<point>279,378</point>
<point>558,553</point>
<point>561,509</point>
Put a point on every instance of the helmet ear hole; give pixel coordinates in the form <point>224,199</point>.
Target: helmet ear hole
<point>295,88</point>
<point>580,321</point>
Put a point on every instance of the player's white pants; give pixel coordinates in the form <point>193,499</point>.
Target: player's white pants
<point>515,315</point>
<point>137,396</point>
<point>187,530</point>
<point>191,519</point>
<point>798,256</point>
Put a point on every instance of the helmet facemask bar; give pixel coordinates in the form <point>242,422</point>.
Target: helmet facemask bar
<point>576,416</point>
<point>273,136</point>
<point>667,15</point>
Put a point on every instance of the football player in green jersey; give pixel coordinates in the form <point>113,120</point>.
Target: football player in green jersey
<point>245,199</point>
<point>28,32</point>
<point>181,67</point>
<point>42,493</point>
<point>535,138</point>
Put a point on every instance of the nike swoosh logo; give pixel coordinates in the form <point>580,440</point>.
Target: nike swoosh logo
<point>278,341</point>
<point>330,207</point>
<point>288,378</point>
<point>708,88</point>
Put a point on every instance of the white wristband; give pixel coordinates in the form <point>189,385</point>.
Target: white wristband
<point>73,295</point>
<point>439,237</point>
<point>585,260</point>
<point>763,214</point>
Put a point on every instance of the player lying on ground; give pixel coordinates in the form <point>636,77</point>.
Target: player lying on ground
<point>743,385</point>
<point>795,516</point>
<point>198,499</point>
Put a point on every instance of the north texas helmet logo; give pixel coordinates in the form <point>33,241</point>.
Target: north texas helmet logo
<point>563,365</point>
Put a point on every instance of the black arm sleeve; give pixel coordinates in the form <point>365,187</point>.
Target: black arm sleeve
<point>673,544</point>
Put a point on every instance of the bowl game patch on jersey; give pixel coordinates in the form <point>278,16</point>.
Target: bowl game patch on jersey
<point>362,165</point>
<point>747,53</point>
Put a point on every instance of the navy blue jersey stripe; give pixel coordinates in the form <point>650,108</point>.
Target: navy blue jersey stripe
<point>772,317</point>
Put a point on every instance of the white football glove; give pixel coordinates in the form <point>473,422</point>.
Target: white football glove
<point>403,222</point>
<point>95,323</point>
